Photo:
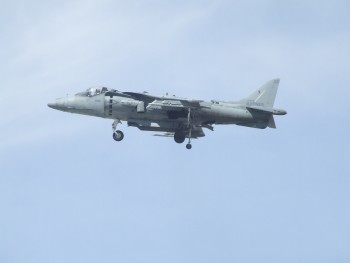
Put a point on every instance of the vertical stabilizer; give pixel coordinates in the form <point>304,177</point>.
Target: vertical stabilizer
<point>264,96</point>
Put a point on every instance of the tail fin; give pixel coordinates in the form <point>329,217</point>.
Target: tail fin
<point>264,96</point>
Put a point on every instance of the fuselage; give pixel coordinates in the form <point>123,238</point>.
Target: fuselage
<point>179,118</point>
<point>128,109</point>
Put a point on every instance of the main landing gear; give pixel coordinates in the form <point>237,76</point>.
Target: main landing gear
<point>180,136</point>
<point>189,145</point>
<point>117,135</point>
<point>189,126</point>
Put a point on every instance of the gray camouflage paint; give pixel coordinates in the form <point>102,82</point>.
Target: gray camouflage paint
<point>172,114</point>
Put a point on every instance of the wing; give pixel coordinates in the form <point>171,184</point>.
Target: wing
<point>188,103</point>
<point>117,93</point>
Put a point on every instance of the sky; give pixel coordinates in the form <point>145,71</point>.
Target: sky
<point>69,193</point>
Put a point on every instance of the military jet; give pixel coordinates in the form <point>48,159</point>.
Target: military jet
<point>175,117</point>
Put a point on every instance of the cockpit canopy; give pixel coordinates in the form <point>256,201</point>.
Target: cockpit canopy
<point>92,91</point>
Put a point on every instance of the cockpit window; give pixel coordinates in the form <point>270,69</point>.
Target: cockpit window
<point>93,92</point>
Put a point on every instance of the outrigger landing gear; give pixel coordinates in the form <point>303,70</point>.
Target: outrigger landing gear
<point>117,135</point>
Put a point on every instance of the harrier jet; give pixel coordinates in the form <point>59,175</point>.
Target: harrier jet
<point>175,117</point>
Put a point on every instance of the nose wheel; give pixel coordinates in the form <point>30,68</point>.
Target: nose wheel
<point>117,135</point>
<point>188,146</point>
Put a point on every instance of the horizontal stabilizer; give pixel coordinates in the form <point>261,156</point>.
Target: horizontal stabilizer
<point>268,110</point>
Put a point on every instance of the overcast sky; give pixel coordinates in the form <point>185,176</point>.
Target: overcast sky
<point>69,193</point>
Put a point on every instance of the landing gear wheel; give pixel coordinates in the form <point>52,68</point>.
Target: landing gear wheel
<point>189,146</point>
<point>179,137</point>
<point>118,136</point>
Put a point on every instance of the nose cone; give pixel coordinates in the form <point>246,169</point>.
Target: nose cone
<point>51,104</point>
<point>58,104</point>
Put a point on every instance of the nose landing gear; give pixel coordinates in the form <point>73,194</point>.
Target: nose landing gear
<point>117,135</point>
